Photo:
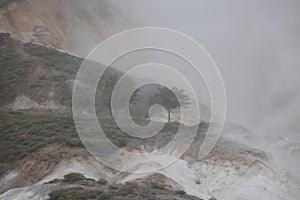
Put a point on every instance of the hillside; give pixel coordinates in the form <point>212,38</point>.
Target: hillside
<point>42,45</point>
<point>70,25</point>
<point>34,77</point>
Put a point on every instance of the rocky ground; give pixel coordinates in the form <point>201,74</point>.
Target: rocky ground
<point>56,23</point>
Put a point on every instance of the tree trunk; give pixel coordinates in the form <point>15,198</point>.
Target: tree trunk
<point>169,115</point>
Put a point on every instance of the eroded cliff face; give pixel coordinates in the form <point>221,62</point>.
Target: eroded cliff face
<point>75,26</point>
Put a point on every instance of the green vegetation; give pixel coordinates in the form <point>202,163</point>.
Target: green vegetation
<point>5,3</point>
<point>22,135</point>
<point>80,190</point>
<point>114,187</point>
<point>75,193</point>
<point>13,69</point>
<point>102,181</point>
<point>165,97</point>
<point>73,177</point>
<point>63,66</point>
<point>59,78</point>
<point>56,68</point>
<point>62,62</point>
<point>126,189</point>
<point>105,91</point>
<point>114,133</point>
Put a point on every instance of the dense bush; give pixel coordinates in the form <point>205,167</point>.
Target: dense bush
<point>73,177</point>
<point>75,193</point>
<point>102,181</point>
<point>25,134</point>
<point>22,135</point>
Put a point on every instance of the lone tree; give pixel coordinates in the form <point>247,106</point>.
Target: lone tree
<point>165,97</point>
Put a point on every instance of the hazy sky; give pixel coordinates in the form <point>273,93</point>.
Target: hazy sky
<point>256,45</point>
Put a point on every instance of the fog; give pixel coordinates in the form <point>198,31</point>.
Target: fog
<point>256,45</point>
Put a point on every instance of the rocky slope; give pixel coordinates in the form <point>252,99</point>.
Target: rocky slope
<point>35,77</point>
<point>75,26</point>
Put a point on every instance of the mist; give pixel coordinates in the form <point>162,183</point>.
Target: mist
<point>256,45</point>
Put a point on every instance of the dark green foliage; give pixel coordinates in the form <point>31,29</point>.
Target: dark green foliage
<point>57,67</point>
<point>106,88</point>
<point>106,195</point>
<point>5,3</point>
<point>74,142</point>
<point>75,193</point>
<point>73,177</point>
<point>59,78</point>
<point>102,181</point>
<point>21,135</point>
<point>62,62</point>
<point>114,133</point>
<point>113,187</point>
<point>129,190</point>
<point>165,97</point>
<point>126,189</point>
<point>117,191</point>
<point>25,134</point>
<point>13,69</point>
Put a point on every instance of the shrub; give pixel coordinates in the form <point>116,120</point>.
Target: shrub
<point>74,142</point>
<point>126,189</point>
<point>106,195</point>
<point>114,187</point>
<point>73,177</point>
<point>102,181</point>
<point>59,78</point>
<point>75,193</point>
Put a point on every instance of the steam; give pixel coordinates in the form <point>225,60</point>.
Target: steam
<point>256,45</point>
